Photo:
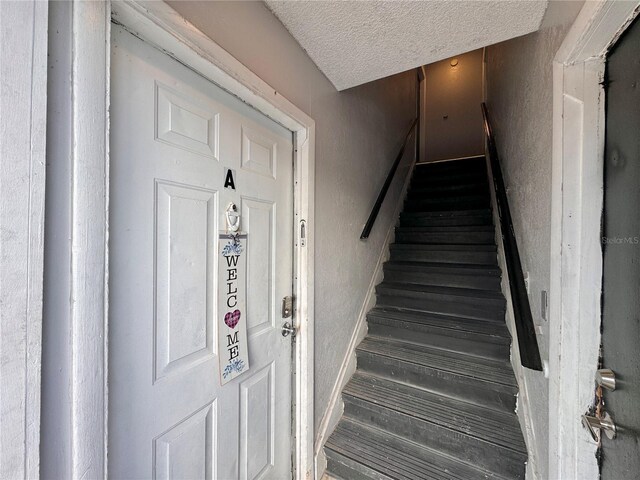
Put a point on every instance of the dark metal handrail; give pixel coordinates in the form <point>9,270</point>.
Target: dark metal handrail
<point>387,183</point>
<point>525,329</point>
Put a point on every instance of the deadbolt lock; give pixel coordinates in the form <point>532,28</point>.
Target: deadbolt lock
<point>287,306</point>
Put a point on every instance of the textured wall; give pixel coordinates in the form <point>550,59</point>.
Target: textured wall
<point>519,98</point>
<point>452,111</point>
<point>357,136</point>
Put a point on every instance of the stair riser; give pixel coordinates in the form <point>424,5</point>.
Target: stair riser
<point>457,221</point>
<point>463,447</point>
<point>443,168</point>
<point>487,332</point>
<point>475,312</point>
<point>482,392</point>
<point>441,338</point>
<point>471,164</point>
<point>446,179</point>
<point>439,238</point>
<point>480,282</point>
<point>344,468</point>
<point>481,186</point>
<point>446,308</point>
<point>445,256</point>
<point>448,229</point>
<point>496,303</point>
<point>433,205</point>
<point>447,192</point>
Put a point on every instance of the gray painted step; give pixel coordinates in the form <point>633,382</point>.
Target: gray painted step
<point>476,435</point>
<point>473,379</point>
<point>457,334</point>
<point>445,253</point>
<point>481,187</point>
<point>425,180</point>
<point>449,229</point>
<point>461,302</point>
<point>437,170</point>
<point>447,191</point>
<point>358,452</point>
<point>454,218</point>
<point>475,235</point>
<point>462,202</point>
<point>481,277</point>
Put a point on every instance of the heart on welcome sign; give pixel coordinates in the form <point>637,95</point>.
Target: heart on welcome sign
<point>232,318</point>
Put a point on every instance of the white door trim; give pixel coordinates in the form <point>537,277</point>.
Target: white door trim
<point>23,110</point>
<point>163,27</point>
<point>576,253</point>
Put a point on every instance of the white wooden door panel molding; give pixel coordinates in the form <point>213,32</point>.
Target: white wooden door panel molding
<point>576,251</point>
<point>159,25</point>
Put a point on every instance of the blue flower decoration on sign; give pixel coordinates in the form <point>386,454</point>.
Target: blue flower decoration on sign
<point>236,365</point>
<point>232,248</point>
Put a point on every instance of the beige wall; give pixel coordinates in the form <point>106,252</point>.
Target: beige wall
<point>357,136</point>
<point>519,98</point>
<point>452,108</point>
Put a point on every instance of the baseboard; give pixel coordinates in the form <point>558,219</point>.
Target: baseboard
<point>523,408</point>
<point>335,407</point>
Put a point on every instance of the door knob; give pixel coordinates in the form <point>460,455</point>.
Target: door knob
<point>606,379</point>
<point>597,425</point>
<point>288,329</point>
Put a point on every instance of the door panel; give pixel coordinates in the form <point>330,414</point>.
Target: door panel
<point>621,244</point>
<point>257,423</point>
<point>173,134</point>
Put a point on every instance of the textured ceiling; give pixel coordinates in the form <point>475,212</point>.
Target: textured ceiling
<point>355,42</point>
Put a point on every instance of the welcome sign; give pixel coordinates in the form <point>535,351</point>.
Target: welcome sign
<point>233,350</point>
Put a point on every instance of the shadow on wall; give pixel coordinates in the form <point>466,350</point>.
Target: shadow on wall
<point>452,116</point>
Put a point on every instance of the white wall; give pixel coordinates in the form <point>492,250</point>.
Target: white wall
<point>519,98</point>
<point>453,119</point>
<point>23,69</point>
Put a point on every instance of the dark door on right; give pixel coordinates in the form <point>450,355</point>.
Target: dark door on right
<point>621,245</point>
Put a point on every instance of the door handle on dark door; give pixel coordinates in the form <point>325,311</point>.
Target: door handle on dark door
<point>597,425</point>
<point>606,379</point>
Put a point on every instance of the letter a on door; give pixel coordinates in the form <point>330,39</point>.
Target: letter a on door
<point>229,181</point>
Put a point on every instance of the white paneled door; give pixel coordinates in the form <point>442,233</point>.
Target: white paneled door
<point>173,137</point>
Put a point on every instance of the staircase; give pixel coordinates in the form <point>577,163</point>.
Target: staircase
<point>434,394</point>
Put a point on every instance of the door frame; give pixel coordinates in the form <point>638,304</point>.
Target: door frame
<point>161,26</point>
<point>576,250</point>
